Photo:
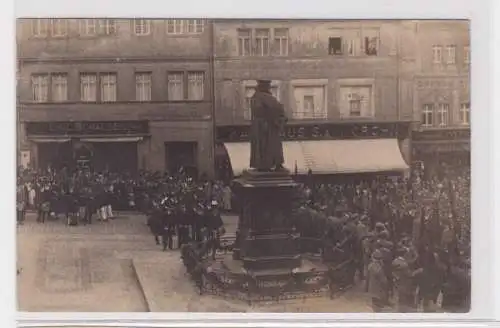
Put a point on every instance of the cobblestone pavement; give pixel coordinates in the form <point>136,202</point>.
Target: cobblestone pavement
<point>115,266</point>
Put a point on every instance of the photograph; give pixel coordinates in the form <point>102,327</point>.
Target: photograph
<point>243,165</point>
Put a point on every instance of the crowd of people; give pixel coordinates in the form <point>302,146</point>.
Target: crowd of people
<point>409,239</point>
<point>78,196</point>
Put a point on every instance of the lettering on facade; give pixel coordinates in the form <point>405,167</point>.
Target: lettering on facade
<point>87,128</point>
<point>457,134</point>
<point>322,132</point>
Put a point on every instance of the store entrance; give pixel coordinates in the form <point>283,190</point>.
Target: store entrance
<point>114,156</point>
<point>181,155</point>
<point>54,155</point>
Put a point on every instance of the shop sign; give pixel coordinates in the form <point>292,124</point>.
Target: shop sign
<point>87,128</point>
<point>452,134</point>
<point>322,132</point>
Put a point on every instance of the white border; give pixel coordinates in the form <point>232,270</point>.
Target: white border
<point>483,302</point>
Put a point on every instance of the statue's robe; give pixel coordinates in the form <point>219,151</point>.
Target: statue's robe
<point>268,119</point>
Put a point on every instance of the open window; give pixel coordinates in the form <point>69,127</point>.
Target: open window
<point>335,46</point>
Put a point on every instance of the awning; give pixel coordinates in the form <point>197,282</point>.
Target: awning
<point>117,139</point>
<point>48,140</point>
<point>329,156</point>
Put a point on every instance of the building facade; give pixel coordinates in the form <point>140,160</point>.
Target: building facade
<point>442,94</point>
<point>348,84</point>
<point>123,94</point>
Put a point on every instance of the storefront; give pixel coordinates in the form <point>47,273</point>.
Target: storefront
<point>100,146</point>
<point>325,149</point>
<point>438,150</point>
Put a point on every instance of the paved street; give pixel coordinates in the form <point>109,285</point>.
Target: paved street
<point>116,266</point>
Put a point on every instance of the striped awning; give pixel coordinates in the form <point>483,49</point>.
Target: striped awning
<point>329,156</point>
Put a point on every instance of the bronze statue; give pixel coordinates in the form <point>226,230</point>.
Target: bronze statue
<point>268,120</point>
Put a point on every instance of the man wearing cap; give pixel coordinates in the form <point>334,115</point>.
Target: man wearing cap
<point>268,119</point>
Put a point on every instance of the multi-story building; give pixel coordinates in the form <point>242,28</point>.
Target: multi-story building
<point>115,93</point>
<point>347,87</point>
<point>442,93</point>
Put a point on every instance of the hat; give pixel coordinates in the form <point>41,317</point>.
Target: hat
<point>377,254</point>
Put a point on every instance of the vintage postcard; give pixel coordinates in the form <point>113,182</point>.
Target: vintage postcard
<point>243,165</point>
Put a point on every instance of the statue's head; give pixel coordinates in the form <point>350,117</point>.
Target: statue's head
<point>264,85</point>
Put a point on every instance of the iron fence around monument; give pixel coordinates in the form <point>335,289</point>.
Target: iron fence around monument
<point>251,289</point>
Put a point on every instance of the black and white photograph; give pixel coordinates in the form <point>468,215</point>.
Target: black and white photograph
<point>243,165</point>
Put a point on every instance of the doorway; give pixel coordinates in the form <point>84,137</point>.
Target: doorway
<point>181,154</point>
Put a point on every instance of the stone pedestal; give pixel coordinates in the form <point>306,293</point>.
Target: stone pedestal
<point>266,240</point>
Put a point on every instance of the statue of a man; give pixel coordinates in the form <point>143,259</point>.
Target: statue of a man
<point>268,120</point>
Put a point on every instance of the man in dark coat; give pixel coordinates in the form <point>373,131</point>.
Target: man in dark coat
<point>268,118</point>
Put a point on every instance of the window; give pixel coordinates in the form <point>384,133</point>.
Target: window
<point>59,87</point>
<point>175,86</point>
<point>443,114</point>
<point>185,26</point>
<point>107,26</point>
<point>142,26</point>
<point>247,101</point>
<point>450,54</point>
<point>262,42</point>
<point>437,54</point>
<point>58,27</point>
<point>108,87</point>
<point>428,115</point>
<point>39,27</point>
<point>355,101</point>
<point>88,26</point>
<point>310,102</point>
<point>464,114</point>
<point>281,42</point>
<point>335,46</point>
<point>244,42</point>
<point>351,47</point>
<point>40,87</point>
<point>174,26</point>
<point>196,85</point>
<point>467,55</point>
<point>355,105</point>
<point>143,86</point>
<point>88,87</point>
<point>371,45</point>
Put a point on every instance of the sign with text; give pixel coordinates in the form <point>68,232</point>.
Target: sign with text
<point>449,134</point>
<point>87,128</point>
<point>322,131</point>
